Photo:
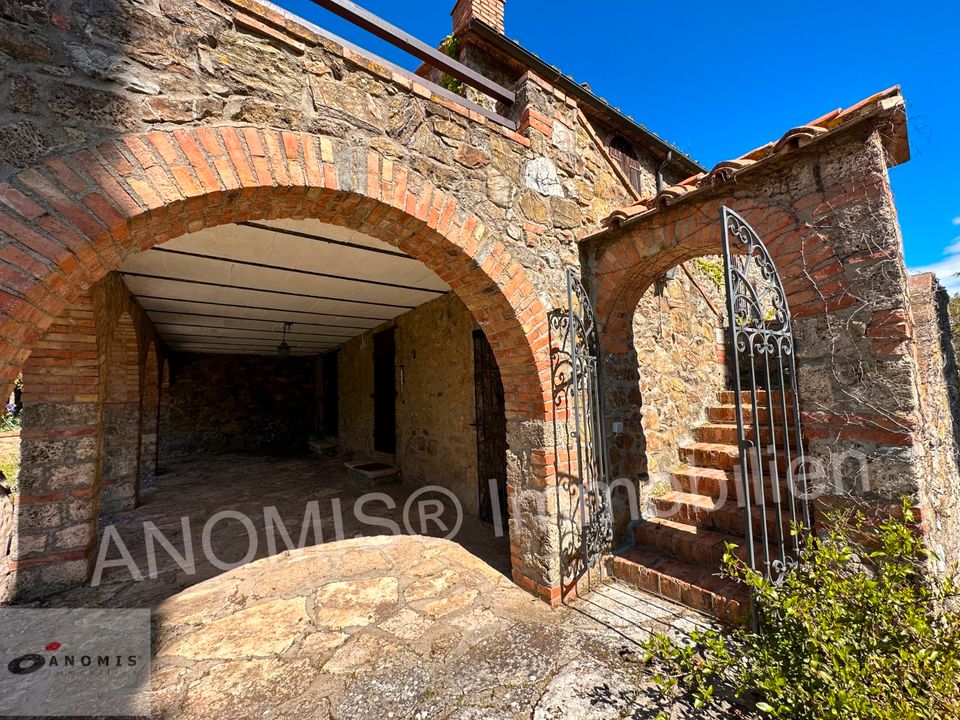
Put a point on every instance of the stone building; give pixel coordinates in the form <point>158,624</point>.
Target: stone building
<point>224,230</point>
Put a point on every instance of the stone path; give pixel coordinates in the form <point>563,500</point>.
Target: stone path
<point>401,627</point>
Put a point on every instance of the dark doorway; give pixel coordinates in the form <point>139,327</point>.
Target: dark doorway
<point>330,377</point>
<point>491,427</point>
<point>385,392</point>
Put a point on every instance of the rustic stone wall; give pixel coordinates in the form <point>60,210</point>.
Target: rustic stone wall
<point>79,439</point>
<point>125,123</point>
<point>114,114</point>
<point>436,442</point>
<point>678,337</point>
<point>220,404</point>
<point>436,407</point>
<point>939,494</point>
<point>826,213</point>
<point>661,387</point>
<point>355,404</point>
<point>163,415</point>
<point>150,394</point>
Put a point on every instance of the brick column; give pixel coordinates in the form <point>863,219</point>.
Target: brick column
<point>121,419</point>
<point>151,417</point>
<point>56,508</point>
<point>489,11</point>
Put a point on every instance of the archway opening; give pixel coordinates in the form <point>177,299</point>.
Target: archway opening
<point>318,384</point>
<point>369,195</point>
<point>671,378</point>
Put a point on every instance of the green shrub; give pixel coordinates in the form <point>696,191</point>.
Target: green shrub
<point>857,632</point>
<point>450,46</point>
<point>9,421</point>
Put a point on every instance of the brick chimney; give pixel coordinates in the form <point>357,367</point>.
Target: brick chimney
<point>489,11</point>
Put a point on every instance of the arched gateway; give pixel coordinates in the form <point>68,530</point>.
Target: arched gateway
<point>80,215</point>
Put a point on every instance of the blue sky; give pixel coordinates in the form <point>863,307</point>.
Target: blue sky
<point>719,79</point>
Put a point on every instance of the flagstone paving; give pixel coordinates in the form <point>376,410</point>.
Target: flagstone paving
<point>193,494</point>
<point>402,627</point>
<point>382,627</point>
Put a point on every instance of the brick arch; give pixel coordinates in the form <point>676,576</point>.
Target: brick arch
<point>810,268</point>
<point>75,217</point>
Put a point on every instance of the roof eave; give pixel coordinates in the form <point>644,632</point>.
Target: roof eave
<point>571,88</point>
<point>888,106</point>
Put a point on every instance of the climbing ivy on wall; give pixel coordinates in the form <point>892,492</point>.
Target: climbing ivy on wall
<point>450,46</point>
<point>712,268</point>
<point>953,309</point>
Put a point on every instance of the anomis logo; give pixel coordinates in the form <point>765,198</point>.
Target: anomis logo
<point>32,662</point>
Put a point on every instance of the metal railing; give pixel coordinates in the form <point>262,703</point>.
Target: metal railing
<point>380,28</point>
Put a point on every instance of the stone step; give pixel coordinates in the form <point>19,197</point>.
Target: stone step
<point>726,433</point>
<point>728,397</point>
<point>692,585</point>
<point>716,483</point>
<point>707,513</point>
<point>728,414</point>
<point>721,456</point>
<point>705,481</point>
<point>688,542</point>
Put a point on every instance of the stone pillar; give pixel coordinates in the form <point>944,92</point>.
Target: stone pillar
<point>940,411</point>
<point>150,392</point>
<point>121,418</point>
<point>533,500</point>
<point>56,508</point>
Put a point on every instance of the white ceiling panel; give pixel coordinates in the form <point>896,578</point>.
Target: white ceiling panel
<point>232,288</point>
<point>186,307</point>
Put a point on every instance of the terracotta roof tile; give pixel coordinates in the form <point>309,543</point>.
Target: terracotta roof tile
<point>793,139</point>
<point>796,138</point>
<point>724,171</point>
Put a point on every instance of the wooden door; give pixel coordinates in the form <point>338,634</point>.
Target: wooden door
<point>385,392</point>
<point>330,379</point>
<point>491,427</point>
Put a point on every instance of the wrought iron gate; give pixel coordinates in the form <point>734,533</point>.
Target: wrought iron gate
<point>772,476</point>
<point>577,382</point>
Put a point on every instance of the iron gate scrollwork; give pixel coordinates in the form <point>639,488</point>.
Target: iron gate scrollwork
<point>583,471</point>
<point>773,481</point>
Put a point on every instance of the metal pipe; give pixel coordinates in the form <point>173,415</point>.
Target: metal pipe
<point>666,161</point>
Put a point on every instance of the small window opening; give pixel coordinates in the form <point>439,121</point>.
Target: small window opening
<point>623,146</point>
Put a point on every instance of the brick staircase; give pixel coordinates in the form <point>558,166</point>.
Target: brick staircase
<point>678,552</point>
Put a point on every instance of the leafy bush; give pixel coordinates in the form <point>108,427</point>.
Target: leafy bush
<point>712,267</point>
<point>857,632</point>
<point>9,419</point>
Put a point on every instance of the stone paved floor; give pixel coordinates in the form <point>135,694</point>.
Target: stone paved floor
<point>376,627</point>
<point>198,488</point>
<point>401,627</point>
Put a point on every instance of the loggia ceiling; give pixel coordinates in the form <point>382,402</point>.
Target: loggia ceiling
<point>230,289</point>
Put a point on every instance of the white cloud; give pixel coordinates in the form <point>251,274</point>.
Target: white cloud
<point>956,221</point>
<point>948,268</point>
